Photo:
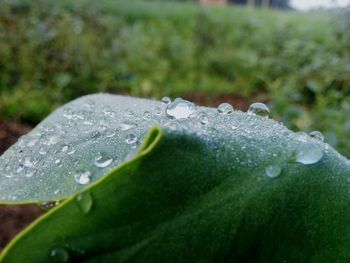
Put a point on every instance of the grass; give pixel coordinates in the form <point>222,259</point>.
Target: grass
<point>54,51</point>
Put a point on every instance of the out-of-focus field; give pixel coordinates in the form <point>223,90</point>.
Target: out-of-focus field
<point>54,51</point>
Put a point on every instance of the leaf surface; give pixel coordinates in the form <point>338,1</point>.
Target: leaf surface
<point>202,194</point>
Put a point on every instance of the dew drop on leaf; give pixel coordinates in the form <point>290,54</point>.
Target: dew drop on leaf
<point>83,177</point>
<point>107,110</point>
<point>53,140</point>
<point>42,151</point>
<point>89,123</point>
<point>32,143</point>
<point>71,151</point>
<point>110,133</point>
<point>29,174</point>
<point>203,118</point>
<point>102,161</point>
<point>180,109</point>
<point>94,134</point>
<point>166,100</point>
<point>29,162</point>
<point>158,111</point>
<point>59,255</point>
<point>259,109</point>
<point>129,113</point>
<point>85,202</point>
<point>47,205</point>
<point>126,126</point>
<point>317,135</point>
<point>273,170</point>
<point>309,153</point>
<point>147,115</point>
<point>131,139</point>
<point>90,104</point>
<point>65,148</point>
<point>225,108</point>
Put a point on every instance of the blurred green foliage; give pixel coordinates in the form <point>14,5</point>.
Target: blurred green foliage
<point>54,51</point>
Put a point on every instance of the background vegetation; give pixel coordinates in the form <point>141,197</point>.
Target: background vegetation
<point>54,51</point>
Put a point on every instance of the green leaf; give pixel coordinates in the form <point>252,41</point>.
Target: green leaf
<point>86,138</point>
<point>203,195</point>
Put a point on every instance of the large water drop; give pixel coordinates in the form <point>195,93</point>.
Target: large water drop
<point>85,202</point>
<point>309,153</point>
<point>259,109</point>
<point>317,135</point>
<point>59,255</point>
<point>225,108</point>
<point>131,139</point>
<point>83,177</point>
<point>47,205</point>
<point>124,126</point>
<point>166,100</point>
<point>203,118</point>
<point>273,170</point>
<point>102,161</point>
<point>180,109</point>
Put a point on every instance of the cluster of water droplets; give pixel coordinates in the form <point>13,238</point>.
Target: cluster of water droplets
<point>88,137</point>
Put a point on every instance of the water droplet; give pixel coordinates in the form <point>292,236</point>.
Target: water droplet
<point>29,162</point>
<point>59,255</point>
<point>110,133</point>
<point>102,128</point>
<point>302,136</point>
<point>147,115</point>
<point>165,122</point>
<point>53,140</point>
<point>71,151</point>
<point>57,161</point>
<point>57,191</point>
<point>126,126</point>
<point>32,143</point>
<point>180,109</point>
<point>90,104</point>
<point>78,116</point>
<point>42,151</point>
<point>85,202</point>
<point>65,148</point>
<point>20,169</point>
<point>89,123</point>
<point>273,170</point>
<point>309,153</point>
<point>158,111</point>
<point>131,139</point>
<point>317,135</point>
<point>107,110</point>
<point>47,205</point>
<point>225,108</point>
<point>259,109</point>
<point>7,172</point>
<point>102,161</point>
<point>203,118</point>
<point>166,100</point>
<point>129,113</point>
<point>94,134</point>
<point>29,174</point>
<point>68,113</point>
<point>83,177</point>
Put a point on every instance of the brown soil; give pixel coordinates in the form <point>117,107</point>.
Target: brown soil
<point>14,218</point>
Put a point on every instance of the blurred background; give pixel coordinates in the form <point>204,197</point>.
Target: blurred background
<point>293,55</point>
